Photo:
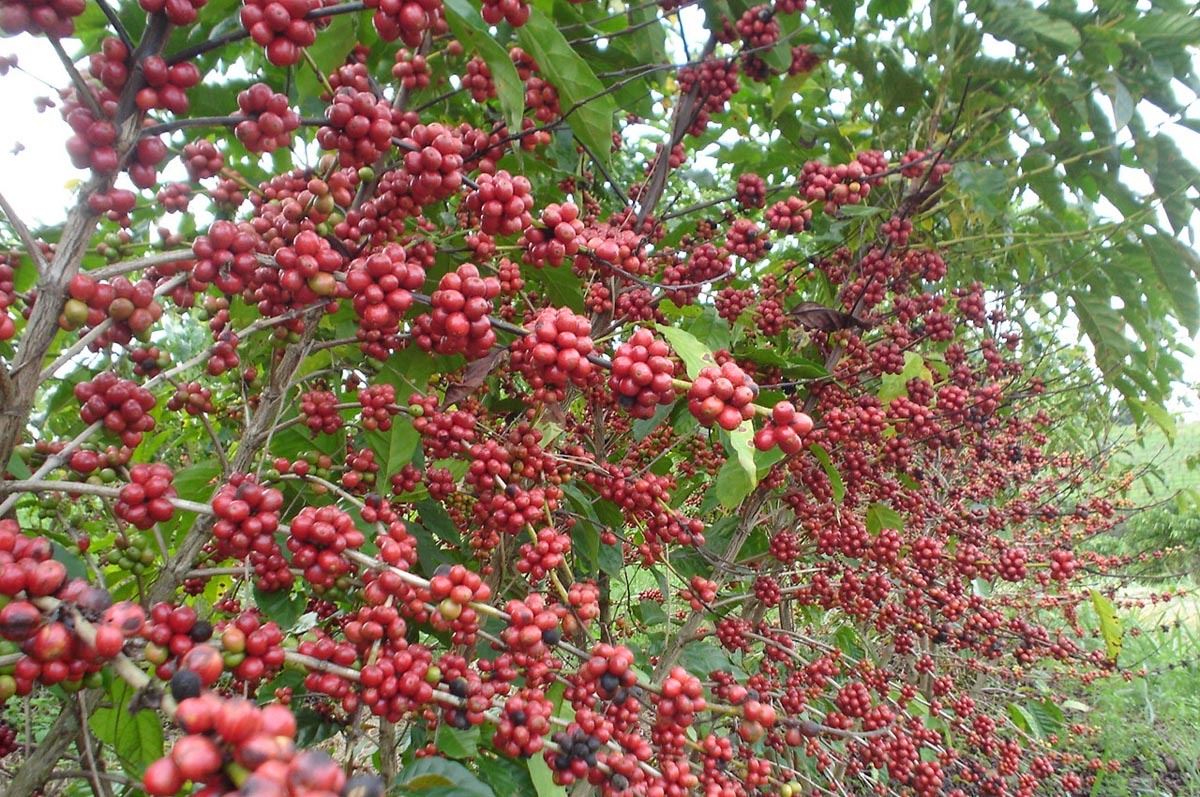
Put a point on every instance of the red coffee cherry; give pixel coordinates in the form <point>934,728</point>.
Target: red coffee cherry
<point>502,202</point>
<point>722,395</point>
<point>514,12</point>
<point>145,500</point>
<point>358,126</point>
<point>269,122</point>
<point>555,353</point>
<point>642,374</point>
<point>459,323</point>
<point>122,405</point>
<point>320,412</point>
<point>280,27</point>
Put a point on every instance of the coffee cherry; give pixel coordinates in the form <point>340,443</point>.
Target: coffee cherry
<point>642,374</point>
<point>269,121</point>
<point>722,395</point>
<point>123,406</point>
<point>459,323</point>
<point>502,203</point>
<point>358,126</point>
<point>280,27</point>
<point>145,500</point>
<point>554,354</point>
<point>514,12</point>
<point>319,410</point>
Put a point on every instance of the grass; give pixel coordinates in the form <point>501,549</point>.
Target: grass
<point>1151,724</point>
<point>1167,466</point>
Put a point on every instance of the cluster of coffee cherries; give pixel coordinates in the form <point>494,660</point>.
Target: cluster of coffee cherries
<point>252,649</point>
<point>131,306</point>
<point>502,203</point>
<point>146,499</point>
<point>171,634</point>
<point>544,554</point>
<point>193,398</point>
<point>722,395</point>
<point>459,322</point>
<point>123,406</point>
<point>514,12</point>
<point>555,353</point>
<point>406,20</point>
<point>270,119</point>
<point>247,519</point>
<point>280,27</point>
<point>787,427</point>
<point>381,285</point>
<point>789,216</point>
<point>378,404</point>
<point>319,536</point>
<point>557,237</point>
<point>54,651</point>
<point>452,589</point>
<point>320,412</point>
<point>643,374</point>
<point>523,724</point>
<point>358,126</point>
<point>50,17</point>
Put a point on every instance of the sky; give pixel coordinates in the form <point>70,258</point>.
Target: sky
<point>37,177</point>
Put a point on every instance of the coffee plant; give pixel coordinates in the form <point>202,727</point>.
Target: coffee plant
<point>426,396</point>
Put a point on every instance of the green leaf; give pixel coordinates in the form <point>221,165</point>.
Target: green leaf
<point>701,658</point>
<point>440,773</point>
<point>435,518</point>
<point>137,738</point>
<point>586,109</point>
<point>1105,329</point>
<point>197,482</point>
<point>739,474</point>
<point>1179,269</point>
<point>836,485</point>
<point>328,52</point>
<point>1038,719</point>
<point>1110,624</point>
<point>458,743</point>
<point>880,516</point>
<point>893,386</point>
<point>284,606</point>
<point>395,448</point>
<point>695,355</point>
<point>543,778</point>
<point>507,777</point>
<point>468,27</point>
